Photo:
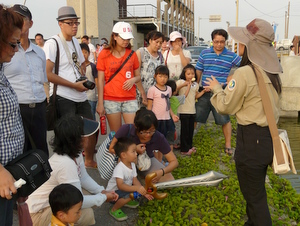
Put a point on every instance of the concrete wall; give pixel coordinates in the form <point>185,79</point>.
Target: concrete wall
<point>290,78</point>
<point>100,16</point>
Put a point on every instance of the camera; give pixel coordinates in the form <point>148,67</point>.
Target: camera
<point>88,84</point>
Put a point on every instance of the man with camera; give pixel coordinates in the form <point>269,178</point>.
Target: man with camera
<point>71,94</point>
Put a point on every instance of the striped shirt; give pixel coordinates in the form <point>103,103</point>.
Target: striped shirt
<point>219,66</point>
<point>11,126</point>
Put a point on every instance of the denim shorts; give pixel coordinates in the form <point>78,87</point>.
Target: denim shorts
<point>112,107</point>
<point>122,194</point>
<point>204,107</point>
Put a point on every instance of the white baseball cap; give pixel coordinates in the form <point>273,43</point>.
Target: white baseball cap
<point>123,29</point>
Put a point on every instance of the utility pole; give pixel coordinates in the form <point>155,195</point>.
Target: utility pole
<point>287,19</point>
<point>235,47</point>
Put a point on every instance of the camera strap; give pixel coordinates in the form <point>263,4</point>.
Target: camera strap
<point>122,65</point>
<point>70,59</point>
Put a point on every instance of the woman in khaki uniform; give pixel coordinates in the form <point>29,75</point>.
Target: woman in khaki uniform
<point>254,148</point>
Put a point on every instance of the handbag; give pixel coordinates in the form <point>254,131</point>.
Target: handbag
<point>282,159</point>
<point>32,166</point>
<point>51,110</point>
<point>106,161</point>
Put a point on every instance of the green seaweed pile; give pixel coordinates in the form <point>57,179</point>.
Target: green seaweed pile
<point>221,205</point>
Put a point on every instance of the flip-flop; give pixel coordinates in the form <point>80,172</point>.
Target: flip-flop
<point>176,146</point>
<point>228,151</point>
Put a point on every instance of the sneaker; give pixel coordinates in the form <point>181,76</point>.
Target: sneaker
<point>132,204</point>
<point>118,215</point>
<point>190,152</point>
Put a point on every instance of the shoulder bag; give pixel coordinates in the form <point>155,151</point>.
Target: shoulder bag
<point>282,158</point>
<point>107,161</point>
<point>32,166</point>
<point>51,110</point>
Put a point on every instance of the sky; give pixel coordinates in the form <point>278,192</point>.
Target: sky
<point>45,13</point>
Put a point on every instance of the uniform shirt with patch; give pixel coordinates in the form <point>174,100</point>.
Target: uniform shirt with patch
<point>242,98</point>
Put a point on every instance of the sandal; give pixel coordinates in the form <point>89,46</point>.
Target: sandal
<point>176,146</point>
<point>119,215</point>
<point>228,151</point>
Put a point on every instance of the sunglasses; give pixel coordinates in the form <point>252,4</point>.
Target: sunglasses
<point>14,45</point>
<point>71,23</point>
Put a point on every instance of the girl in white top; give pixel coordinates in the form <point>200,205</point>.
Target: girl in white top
<point>68,167</point>
<point>187,111</point>
<point>176,58</point>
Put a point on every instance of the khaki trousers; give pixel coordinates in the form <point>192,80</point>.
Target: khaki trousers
<point>43,217</point>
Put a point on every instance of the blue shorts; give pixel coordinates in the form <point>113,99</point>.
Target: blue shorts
<point>122,194</point>
<point>112,107</point>
<point>204,107</point>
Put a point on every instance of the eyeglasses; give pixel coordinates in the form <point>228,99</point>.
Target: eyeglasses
<point>147,132</point>
<point>14,45</point>
<point>71,23</point>
<point>219,42</point>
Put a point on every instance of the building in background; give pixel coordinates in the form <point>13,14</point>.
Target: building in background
<point>97,18</point>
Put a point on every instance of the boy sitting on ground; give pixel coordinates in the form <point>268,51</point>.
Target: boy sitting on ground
<point>65,202</point>
<point>124,179</point>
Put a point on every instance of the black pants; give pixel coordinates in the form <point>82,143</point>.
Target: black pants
<point>254,152</point>
<point>34,119</point>
<point>186,131</point>
<point>6,211</point>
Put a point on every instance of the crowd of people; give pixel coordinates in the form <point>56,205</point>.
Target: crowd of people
<point>148,96</point>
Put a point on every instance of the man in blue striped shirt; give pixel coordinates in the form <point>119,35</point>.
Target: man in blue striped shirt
<point>216,61</point>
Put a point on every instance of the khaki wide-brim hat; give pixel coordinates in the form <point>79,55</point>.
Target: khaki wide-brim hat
<point>258,36</point>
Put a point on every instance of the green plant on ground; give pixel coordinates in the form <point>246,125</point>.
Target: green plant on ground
<point>221,205</point>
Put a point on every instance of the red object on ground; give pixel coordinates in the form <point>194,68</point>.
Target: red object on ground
<point>103,125</point>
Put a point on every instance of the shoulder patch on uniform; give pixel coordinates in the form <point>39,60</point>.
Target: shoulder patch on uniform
<point>231,84</point>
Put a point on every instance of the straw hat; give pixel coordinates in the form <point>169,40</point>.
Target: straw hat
<point>258,36</point>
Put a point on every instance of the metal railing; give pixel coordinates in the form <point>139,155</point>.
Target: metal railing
<point>139,10</point>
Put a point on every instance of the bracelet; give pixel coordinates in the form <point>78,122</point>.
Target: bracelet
<point>163,171</point>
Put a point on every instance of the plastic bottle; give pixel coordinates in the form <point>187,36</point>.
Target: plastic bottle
<point>103,125</point>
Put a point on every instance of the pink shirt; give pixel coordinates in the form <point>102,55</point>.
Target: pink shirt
<point>159,105</point>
